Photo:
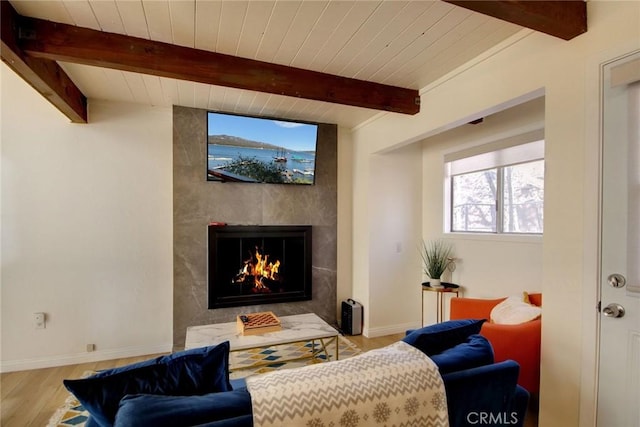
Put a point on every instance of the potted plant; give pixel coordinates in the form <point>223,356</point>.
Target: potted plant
<point>436,257</point>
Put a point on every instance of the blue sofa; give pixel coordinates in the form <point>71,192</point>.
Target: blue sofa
<point>479,392</point>
<point>487,395</point>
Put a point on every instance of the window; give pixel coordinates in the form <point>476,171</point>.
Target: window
<point>496,190</point>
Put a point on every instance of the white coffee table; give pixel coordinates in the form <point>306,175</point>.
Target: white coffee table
<point>296,328</point>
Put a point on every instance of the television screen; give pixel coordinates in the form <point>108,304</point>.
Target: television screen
<point>260,150</point>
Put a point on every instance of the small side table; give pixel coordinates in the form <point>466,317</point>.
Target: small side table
<point>440,291</point>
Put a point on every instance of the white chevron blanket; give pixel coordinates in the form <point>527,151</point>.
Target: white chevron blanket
<point>397,385</point>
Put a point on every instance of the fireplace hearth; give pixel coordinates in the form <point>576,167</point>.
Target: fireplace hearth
<point>264,264</point>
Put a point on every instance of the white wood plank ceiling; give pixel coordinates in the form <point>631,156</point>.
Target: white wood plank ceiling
<point>402,43</point>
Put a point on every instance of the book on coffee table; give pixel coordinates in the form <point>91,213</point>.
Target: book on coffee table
<point>258,323</point>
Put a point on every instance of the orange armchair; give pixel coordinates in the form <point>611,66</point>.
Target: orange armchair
<point>516,342</point>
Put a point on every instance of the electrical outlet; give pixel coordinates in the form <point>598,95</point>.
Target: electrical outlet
<point>39,320</point>
<point>91,347</point>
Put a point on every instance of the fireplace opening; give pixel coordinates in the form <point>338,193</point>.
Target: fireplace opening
<point>259,264</point>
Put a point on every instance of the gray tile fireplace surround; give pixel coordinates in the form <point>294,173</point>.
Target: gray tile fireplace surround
<point>197,202</point>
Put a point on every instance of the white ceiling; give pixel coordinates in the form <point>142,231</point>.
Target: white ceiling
<point>401,43</point>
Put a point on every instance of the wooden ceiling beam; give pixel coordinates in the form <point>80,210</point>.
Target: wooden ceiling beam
<point>565,19</point>
<point>61,42</point>
<point>44,75</point>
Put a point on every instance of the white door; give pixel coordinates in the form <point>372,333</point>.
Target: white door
<point>619,363</point>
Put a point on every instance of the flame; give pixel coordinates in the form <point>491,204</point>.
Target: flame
<point>260,268</point>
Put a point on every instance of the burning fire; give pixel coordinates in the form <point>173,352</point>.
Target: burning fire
<point>260,270</point>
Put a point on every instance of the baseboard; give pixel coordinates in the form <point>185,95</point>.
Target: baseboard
<point>389,330</point>
<point>74,359</point>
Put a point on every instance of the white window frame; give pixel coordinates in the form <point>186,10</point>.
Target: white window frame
<point>523,148</point>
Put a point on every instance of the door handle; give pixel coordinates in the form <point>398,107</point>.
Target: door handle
<point>613,310</point>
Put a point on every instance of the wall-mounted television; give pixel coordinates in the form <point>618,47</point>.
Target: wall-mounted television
<point>260,150</point>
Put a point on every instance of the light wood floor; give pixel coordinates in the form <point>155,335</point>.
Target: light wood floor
<point>29,398</point>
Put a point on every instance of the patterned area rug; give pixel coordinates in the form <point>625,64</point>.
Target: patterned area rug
<point>280,357</point>
<point>72,414</point>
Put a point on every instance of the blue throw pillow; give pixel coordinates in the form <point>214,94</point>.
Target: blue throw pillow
<point>436,338</point>
<point>475,351</point>
<point>192,372</point>
<point>170,411</point>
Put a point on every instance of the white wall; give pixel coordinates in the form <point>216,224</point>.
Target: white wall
<point>520,69</point>
<point>345,218</point>
<point>394,265</point>
<point>86,230</point>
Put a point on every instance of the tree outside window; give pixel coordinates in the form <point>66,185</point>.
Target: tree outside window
<point>506,199</point>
